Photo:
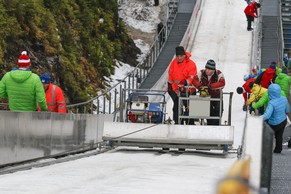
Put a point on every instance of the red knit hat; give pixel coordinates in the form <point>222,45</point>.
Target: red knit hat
<point>23,60</point>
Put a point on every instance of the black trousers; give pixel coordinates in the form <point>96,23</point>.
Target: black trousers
<point>279,130</point>
<point>250,19</point>
<point>175,109</point>
<point>214,111</point>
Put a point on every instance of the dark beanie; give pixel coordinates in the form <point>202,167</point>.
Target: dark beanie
<point>45,78</point>
<point>284,70</point>
<point>273,65</point>
<point>180,50</point>
<point>210,64</point>
<point>239,90</point>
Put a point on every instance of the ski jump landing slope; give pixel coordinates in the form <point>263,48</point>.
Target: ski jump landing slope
<point>221,36</point>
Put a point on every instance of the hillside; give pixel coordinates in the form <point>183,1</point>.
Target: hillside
<point>77,42</point>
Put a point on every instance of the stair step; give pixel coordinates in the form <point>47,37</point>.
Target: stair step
<point>287,35</point>
<point>286,14</point>
<point>286,20</point>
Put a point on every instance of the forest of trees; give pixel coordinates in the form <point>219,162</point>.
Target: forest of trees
<point>76,41</point>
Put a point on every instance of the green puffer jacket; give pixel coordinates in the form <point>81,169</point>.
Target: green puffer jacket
<point>283,80</point>
<point>24,91</point>
<point>264,100</point>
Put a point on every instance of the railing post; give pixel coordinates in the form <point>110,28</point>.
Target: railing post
<point>98,104</point>
<point>104,105</point>
<point>109,111</point>
<point>133,80</point>
<point>115,101</point>
<point>91,107</point>
<point>121,104</point>
<point>137,78</point>
<point>229,108</point>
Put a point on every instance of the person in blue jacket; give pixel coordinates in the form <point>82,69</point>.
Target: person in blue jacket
<point>275,114</point>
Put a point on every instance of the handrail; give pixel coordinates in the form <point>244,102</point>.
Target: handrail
<point>102,103</point>
<point>134,78</point>
<point>280,37</point>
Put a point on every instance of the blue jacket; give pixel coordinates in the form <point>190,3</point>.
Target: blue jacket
<point>277,107</point>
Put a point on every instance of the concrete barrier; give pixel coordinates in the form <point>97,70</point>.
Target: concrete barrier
<point>246,173</point>
<point>30,135</point>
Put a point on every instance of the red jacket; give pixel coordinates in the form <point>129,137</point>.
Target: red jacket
<point>186,70</point>
<point>55,99</point>
<point>247,88</point>
<point>251,9</point>
<point>268,77</point>
<point>215,83</point>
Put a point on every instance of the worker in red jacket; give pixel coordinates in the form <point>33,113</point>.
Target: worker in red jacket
<point>210,81</point>
<point>54,95</point>
<point>245,90</point>
<point>251,12</point>
<point>181,73</point>
<point>268,76</point>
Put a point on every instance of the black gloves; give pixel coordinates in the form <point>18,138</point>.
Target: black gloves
<point>182,83</point>
<point>245,107</point>
<point>252,110</point>
<point>170,87</point>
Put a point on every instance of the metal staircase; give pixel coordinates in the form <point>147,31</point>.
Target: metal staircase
<point>178,30</point>
<point>286,24</point>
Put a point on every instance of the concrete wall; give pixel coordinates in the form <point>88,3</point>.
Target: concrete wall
<point>26,136</point>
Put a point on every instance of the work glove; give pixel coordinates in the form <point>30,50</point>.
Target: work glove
<point>203,91</point>
<point>182,84</point>
<point>170,89</point>
<point>245,107</point>
<point>252,110</point>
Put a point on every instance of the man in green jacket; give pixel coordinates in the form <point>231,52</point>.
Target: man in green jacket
<point>263,102</point>
<point>23,88</point>
<point>284,81</point>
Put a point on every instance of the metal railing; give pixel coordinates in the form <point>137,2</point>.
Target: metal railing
<point>202,115</point>
<point>107,101</point>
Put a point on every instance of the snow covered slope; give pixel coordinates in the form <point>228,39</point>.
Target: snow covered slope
<point>222,36</point>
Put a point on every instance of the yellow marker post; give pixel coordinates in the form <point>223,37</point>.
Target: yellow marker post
<point>237,179</point>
